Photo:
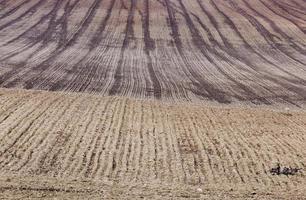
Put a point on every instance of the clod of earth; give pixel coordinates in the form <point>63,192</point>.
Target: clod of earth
<point>285,170</point>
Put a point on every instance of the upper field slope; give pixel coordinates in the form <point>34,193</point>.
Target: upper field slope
<point>219,50</point>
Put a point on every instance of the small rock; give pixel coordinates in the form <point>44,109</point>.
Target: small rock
<point>199,190</point>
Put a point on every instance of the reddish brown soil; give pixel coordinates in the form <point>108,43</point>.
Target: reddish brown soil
<point>222,51</point>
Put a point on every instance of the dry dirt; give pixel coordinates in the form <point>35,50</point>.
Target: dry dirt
<point>75,145</point>
<point>152,99</point>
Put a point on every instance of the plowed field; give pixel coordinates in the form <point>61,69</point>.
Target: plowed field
<point>223,51</point>
<point>152,99</point>
<point>115,146</point>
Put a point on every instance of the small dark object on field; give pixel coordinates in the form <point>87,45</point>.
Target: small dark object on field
<point>288,114</point>
<point>284,170</point>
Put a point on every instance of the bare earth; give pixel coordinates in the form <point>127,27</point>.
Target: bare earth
<point>218,50</point>
<point>152,99</point>
<point>75,145</point>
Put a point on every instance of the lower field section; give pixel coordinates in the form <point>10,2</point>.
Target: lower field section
<point>78,144</point>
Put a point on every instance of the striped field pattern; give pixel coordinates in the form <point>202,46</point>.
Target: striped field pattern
<point>152,99</point>
<point>218,50</point>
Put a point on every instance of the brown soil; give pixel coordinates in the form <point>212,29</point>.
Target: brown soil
<point>152,99</point>
<point>222,51</point>
<point>78,146</point>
